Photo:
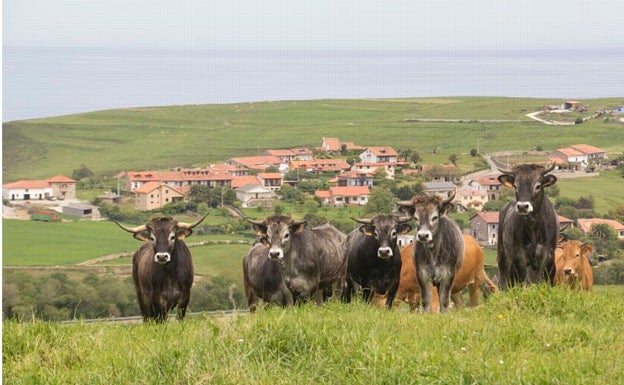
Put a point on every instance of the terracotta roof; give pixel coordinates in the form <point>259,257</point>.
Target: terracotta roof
<point>331,144</point>
<point>488,216</point>
<point>569,151</point>
<point>147,188</point>
<point>587,149</point>
<point>27,184</point>
<point>280,152</point>
<point>240,181</point>
<point>322,194</point>
<point>349,191</point>
<point>382,151</point>
<point>258,162</point>
<point>60,179</point>
<point>490,180</point>
<point>586,223</point>
<point>270,175</point>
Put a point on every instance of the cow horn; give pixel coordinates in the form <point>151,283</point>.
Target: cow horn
<point>404,203</point>
<point>255,222</point>
<point>297,223</point>
<point>404,219</point>
<point>133,230</point>
<point>450,199</point>
<point>505,171</point>
<point>188,226</point>
<point>548,169</point>
<point>362,221</point>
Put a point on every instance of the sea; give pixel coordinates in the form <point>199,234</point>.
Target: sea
<point>45,82</point>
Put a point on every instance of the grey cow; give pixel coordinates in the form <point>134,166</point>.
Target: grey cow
<point>528,228</point>
<point>439,246</point>
<point>262,278</point>
<point>309,259</point>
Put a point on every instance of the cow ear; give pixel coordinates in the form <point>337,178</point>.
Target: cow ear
<point>298,227</point>
<point>265,241</point>
<point>404,228</point>
<point>261,230</point>
<point>367,230</point>
<point>548,180</point>
<point>407,210</point>
<point>183,233</point>
<point>586,249</point>
<point>446,208</point>
<point>506,180</point>
<point>142,236</point>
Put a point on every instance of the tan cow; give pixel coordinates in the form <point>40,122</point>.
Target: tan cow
<point>471,274</point>
<point>572,266</point>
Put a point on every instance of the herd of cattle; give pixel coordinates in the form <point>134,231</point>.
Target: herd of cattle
<point>291,263</point>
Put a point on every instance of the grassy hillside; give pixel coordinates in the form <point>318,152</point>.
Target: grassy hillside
<point>152,138</point>
<point>536,335</point>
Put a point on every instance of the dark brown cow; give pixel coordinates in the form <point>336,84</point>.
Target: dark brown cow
<point>528,228</point>
<point>373,257</point>
<point>309,259</point>
<point>262,278</point>
<point>439,246</point>
<point>572,264</point>
<point>162,268</point>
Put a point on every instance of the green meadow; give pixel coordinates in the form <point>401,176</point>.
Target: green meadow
<point>108,142</point>
<point>534,335</point>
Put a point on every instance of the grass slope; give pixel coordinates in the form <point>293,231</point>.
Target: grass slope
<point>535,335</point>
<point>152,138</point>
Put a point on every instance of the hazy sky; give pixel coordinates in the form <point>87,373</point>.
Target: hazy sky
<point>414,24</point>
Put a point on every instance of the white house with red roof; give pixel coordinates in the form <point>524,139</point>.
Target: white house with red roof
<point>343,195</point>
<point>57,187</point>
<point>379,155</point>
<point>578,156</point>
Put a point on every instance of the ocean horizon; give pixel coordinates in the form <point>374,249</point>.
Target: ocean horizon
<point>45,82</point>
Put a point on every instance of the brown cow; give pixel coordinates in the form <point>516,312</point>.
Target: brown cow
<point>471,274</point>
<point>572,266</point>
<point>162,268</point>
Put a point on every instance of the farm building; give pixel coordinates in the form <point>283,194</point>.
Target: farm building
<point>58,187</point>
<point>78,210</point>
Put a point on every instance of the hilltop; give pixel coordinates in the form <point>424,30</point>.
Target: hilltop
<point>155,138</point>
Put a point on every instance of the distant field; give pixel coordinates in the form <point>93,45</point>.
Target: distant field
<point>154,138</point>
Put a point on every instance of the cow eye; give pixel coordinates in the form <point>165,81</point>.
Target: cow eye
<point>172,236</point>
<point>434,218</point>
<point>287,235</point>
<point>393,234</point>
<point>538,186</point>
<point>152,237</point>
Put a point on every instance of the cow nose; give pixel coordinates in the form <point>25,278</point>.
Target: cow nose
<point>524,207</point>
<point>384,252</point>
<point>424,236</point>
<point>162,258</point>
<point>568,271</point>
<point>276,254</point>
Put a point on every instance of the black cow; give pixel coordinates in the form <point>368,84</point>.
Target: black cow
<point>528,228</point>
<point>373,257</point>
<point>309,259</point>
<point>262,278</point>
<point>162,268</point>
<point>439,246</point>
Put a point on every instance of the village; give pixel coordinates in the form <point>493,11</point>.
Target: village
<point>257,180</point>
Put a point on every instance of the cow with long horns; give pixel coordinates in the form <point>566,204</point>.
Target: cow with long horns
<point>162,268</point>
<point>373,257</point>
<point>439,246</point>
<point>528,227</point>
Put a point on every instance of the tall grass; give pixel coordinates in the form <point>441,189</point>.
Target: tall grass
<point>537,335</point>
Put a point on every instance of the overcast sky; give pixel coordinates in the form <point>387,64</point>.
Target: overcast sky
<point>413,24</point>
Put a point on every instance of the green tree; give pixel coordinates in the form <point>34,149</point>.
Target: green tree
<point>199,193</point>
<point>380,201</point>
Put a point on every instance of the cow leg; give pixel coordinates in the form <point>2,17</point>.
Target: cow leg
<point>503,270</point>
<point>251,298</point>
<point>458,300</point>
<point>367,294</point>
<point>425,289</point>
<point>475,292</point>
<point>186,298</point>
<point>348,291</point>
<point>444,290</point>
<point>391,293</point>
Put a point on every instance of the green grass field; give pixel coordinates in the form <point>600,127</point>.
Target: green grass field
<point>535,335</point>
<point>155,138</point>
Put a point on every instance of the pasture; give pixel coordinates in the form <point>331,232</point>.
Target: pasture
<point>117,140</point>
<point>535,335</point>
